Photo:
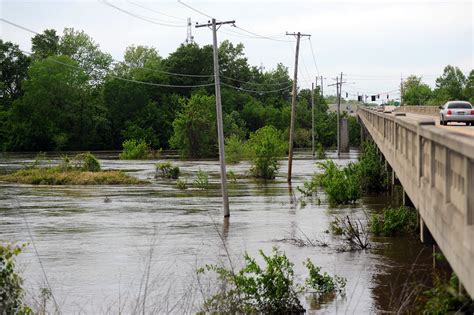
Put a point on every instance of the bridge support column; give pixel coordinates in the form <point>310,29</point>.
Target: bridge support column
<point>344,135</point>
<point>425,234</point>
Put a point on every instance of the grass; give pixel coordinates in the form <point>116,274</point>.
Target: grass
<point>57,176</point>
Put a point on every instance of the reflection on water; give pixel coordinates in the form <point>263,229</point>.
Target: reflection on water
<point>94,241</point>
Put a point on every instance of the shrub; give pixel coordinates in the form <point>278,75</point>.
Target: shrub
<point>167,170</point>
<point>87,162</point>
<point>234,152</point>
<point>134,149</point>
<point>11,290</point>
<point>340,184</point>
<point>268,289</point>
<point>310,187</point>
<point>354,233</point>
<point>320,153</point>
<point>202,180</point>
<point>323,283</point>
<point>372,174</point>
<point>393,221</point>
<point>231,176</point>
<point>181,184</point>
<point>265,146</point>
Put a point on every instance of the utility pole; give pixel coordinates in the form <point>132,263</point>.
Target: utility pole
<point>322,94</point>
<point>293,103</point>
<point>312,116</point>
<point>338,85</point>
<point>220,127</point>
<point>401,90</point>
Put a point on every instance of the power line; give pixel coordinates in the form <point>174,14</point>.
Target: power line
<point>156,11</point>
<point>125,79</point>
<point>314,56</point>
<point>256,91</point>
<point>144,18</point>
<point>195,10</point>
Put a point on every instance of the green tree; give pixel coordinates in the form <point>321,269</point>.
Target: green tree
<point>13,71</point>
<point>194,129</point>
<point>45,44</point>
<point>469,88</point>
<point>50,114</point>
<point>450,85</point>
<point>82,48</point>
<point>415,92</point>
<point>264,147</point>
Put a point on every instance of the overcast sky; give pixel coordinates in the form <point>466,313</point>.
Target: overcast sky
<point>373,42</point>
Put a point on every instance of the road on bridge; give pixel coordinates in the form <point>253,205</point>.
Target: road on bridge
<point>452,127</point>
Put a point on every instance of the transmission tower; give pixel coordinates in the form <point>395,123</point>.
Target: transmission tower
<point>189,36</point>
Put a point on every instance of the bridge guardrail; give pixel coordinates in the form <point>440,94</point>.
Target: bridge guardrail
<point>436,169</point>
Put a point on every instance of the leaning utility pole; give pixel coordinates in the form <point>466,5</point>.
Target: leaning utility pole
<point>322,93</point>
<point>220,128</point>
<point>293,103</point>
<point>312,116</point>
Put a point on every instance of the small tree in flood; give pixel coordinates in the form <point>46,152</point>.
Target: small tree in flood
<point>264,147</point>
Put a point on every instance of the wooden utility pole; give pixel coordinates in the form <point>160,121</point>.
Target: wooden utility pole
<point>312,117</point>
<point>338,85</point>
<point>220,127</point>
<point>293,104</point>
<point>401,90</point>
<point>322,94</point>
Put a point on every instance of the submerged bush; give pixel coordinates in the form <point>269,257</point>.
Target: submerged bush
<point>134,149</point>
<point>445,298</point>
<point>340,184</point>
<point>264,147</point>
<point>372,174</point>
<point>87,162</point>
<point>234,149</point>
<point>167,170</point>
<point>181,184</point>
<point>202,180</point>
<point>394,221</point>
<point>12,293</point>
<point>353,231</point>
<point>320,152</point>
<point>267,289</point>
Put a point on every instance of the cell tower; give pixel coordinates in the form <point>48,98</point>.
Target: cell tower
<point>189,37</point>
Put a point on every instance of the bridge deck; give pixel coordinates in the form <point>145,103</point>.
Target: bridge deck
<point>435,165</point>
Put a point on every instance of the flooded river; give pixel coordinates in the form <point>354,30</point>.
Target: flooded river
<point>100,245</point>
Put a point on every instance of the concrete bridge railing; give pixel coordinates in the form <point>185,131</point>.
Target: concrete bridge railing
<point>425,110</point>
<point>436,170</point>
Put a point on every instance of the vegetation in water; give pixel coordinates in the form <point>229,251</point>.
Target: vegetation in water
<point>320,152</point>
<point>340,184</point>
<point>231,176</point>
<point>267,289</point>
<point>12,293</point>
<point>234,149</point>
<point>265,146</point>
<point>371,169</point>
<point>201,181</point>
<point>134,149</point>
<point>181,184</point>
<point>353,231</point>
<point>167,170</point>
<point>394,221</point>
<point>83,169</point>
<point>445,298</point>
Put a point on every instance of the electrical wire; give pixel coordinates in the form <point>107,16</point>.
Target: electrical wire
<point>125,79</point>
<point>195,10</point>
<point>256,91</point>
<point>143,18</point>
<point>253,83</point>
<point>156,11</point>
<point>314,56</point>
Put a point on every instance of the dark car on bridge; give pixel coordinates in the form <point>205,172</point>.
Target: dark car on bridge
<point>456,111</point>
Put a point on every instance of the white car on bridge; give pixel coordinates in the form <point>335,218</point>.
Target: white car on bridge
<point>456,111</point>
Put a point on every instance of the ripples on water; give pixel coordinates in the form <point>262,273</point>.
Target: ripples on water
<point>95,252</point>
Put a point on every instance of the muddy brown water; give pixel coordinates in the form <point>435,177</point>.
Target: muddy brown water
<point>96,243</point>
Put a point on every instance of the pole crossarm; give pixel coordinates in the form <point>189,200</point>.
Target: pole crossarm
<point>209,23</point>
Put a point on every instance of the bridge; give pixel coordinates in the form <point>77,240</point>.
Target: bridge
<point>435,166</point>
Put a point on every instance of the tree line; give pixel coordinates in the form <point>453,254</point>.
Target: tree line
<point>451,85</point>
<point>69,95</point>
